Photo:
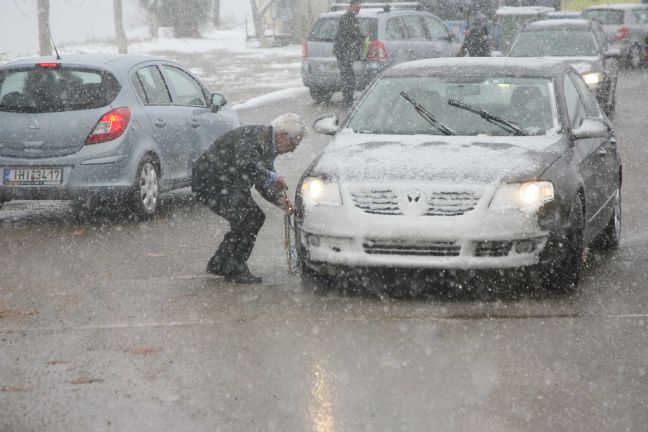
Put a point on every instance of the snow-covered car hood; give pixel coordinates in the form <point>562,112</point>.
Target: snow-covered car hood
<point>474,159</point>
<point>582,65</point>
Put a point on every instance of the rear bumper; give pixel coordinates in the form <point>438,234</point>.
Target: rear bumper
<point>87,172</point>
<point>365,72</point>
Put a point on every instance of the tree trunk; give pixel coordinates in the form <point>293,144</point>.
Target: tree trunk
<point>258,23</point>
<point>216,13</point>
<point>44,41</point>
<point>122,41</point>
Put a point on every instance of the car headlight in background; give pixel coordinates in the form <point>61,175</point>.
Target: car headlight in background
<point>317,191</point>
<point>526,196</point>
<point>593,78</point>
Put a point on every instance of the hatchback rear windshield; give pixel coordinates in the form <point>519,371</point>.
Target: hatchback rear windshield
<point>558,42</point>
<point>325,28</point>
<point>604,16</point>
<point>43,89</point>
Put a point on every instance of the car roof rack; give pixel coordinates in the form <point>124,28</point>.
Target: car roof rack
<point>386,6</point>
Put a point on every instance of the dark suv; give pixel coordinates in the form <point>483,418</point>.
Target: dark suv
<point>395,34</point>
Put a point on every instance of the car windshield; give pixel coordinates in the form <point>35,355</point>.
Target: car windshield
<point>325,28</point>
<point>47,89</point>
<point>604,16</point>
<point>528,102</point>
<point>558,43</point>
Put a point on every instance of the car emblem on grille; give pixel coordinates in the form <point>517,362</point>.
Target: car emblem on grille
<point>34,125</point>
<point>413,195</point>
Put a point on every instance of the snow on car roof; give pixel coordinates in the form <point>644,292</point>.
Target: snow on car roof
<point>618,6</point>
<point>541,66</point>
<point>572,22</point>
<point>523,10</point>
<point>87,59</point>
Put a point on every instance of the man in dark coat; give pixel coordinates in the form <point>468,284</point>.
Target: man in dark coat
<point>477,40</point>
<point>223,177</point>
<point>347,48</point>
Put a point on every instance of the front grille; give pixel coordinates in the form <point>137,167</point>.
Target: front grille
<point>409,247</point>
<point>493,248</point>
<point>384,201</point>
<point>376,201</point>
<point>450,203</point>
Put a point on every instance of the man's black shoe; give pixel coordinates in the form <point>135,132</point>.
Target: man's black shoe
<point>243,277</point>
<point>215,268</point>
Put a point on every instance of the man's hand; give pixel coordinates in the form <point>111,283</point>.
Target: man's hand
<point>280,184</point>
<point>286,205</point>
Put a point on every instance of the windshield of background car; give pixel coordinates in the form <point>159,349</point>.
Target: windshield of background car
<point>604,16</point>
<point>529,102</point>
<point>558,43</point>
<point>325,28</point>
<point>43,90</point>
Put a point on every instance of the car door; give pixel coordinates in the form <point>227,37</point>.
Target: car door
<point>200,125</point>
<point>418,43</point>
<point>167,132</point>
<point>587,152</point>
<point>442,44</point>
<point>606,176</point>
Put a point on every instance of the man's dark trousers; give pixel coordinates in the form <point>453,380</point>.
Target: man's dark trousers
<point>246,219</point>
<point>348,79</point>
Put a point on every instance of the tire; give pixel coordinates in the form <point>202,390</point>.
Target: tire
<point>320,96</point>
<point>562,274</point>
<point>146,190</point>
<point>313,281</point>
<point>610,238</point>
<point>634,60</point>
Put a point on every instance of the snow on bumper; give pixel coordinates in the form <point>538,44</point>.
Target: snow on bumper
<point>479,239</point>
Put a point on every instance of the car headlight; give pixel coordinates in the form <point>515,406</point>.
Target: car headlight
<point>317,191</point>
<point>593,78</point>
<point>526,196</point>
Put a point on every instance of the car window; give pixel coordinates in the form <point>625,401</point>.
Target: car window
<point>559,43</point>
<point>325,29</point>
<point>436,29</point>
<point>640,16</point>
<point>184,88</point>
<point>153,86</point>
<point>54,89</point>
<point>575,107</point>
<point>395,29</point>
<point>415,28</point>
<point>529,102</point>
<point>604,16</point>
<point>592,108</point>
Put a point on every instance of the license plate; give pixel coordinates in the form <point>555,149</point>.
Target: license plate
<point>32,176</point>
<point>328,67</point>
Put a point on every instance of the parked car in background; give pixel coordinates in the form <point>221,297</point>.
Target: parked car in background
<point>395,34</point>
<point>94,127</point>
<point>626,26</point>
<point>468,164</point>
<point>581,43</point>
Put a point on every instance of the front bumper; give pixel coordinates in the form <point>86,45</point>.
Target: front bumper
<point>479,239</point>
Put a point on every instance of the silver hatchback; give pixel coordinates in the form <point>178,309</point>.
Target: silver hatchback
<point>95,127</point>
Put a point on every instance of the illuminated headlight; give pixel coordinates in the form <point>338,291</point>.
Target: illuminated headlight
<point>317,191</point>
<point>593,78</point>
<point>525,196</point>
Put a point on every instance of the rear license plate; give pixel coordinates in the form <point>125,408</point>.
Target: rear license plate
<point>328,67</point>
<point>23,176</point>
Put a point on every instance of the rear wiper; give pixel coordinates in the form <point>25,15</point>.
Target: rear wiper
<point>445,130</point>
<point>507,125</point>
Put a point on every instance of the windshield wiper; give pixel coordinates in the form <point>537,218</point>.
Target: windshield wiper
<point>445,130</point>
<point>507,125</point>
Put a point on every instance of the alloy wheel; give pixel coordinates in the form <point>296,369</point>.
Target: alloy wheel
<point>149,190</point>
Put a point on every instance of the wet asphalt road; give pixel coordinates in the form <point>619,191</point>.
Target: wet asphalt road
<point>112,325</point>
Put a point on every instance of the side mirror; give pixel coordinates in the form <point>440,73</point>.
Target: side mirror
<point>217,101</point>
<point>591,128</point>
<point>326,124</point>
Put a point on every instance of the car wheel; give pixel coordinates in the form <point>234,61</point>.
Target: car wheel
<point>319,95</point>
<point>610,238</point>
<point>146,192</point>
<point>562,274</point>
<point>634,57</point>
<point>312,280</point>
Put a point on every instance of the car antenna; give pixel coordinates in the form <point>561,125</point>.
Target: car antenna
<point>58,56</point>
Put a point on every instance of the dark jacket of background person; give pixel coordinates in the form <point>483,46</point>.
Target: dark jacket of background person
<point>239,160</point>
<point>477,41</point>
<point>348,39</point>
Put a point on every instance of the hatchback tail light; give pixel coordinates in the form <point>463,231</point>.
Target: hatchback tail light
<point>377,51</point>
<point>110,126</point>
<point>305,50</point>
<point>622,33</point>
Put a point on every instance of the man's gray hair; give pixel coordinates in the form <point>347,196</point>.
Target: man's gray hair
<point>291,124</point>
